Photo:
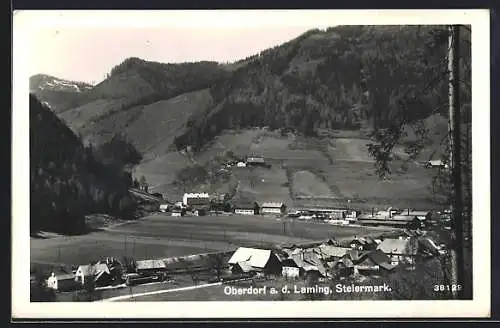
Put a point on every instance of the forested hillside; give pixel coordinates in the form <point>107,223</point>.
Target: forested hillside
<point>67,181</point>
<point>344,78</point>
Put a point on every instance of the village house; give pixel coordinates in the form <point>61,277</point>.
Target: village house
<point>246,208</point>
<point>331,253</point>
<point>165,207</point>
<point>398,250</point>
<point>196,199</point>
<point>421,215</point>
<point>343,267</point>
<point>273,208</point>
<point>176,213</point>
<point>62,281</point>
<point>150,267</point>
<point>373,262</point>
<point>246,260</point>
<point>307,262</point>
<point>362,243</point>
<point>99,273</point>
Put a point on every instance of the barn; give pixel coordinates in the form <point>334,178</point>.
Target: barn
<point>246,208</point>
<point>253,259</point>
<point>273,208</point>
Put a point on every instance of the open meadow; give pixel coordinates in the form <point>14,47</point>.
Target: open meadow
<point>329,170</point>
<point>162,236</point>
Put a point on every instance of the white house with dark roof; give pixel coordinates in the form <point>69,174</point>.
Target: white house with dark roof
<point>195,199</point>
<point>398,250</point>
<point>96,272</point>
<point>260,260</point>
<point>273,208</point>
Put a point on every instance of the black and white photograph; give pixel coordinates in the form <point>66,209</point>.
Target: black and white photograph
<point>251,159</point>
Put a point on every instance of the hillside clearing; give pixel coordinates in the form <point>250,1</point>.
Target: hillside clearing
<point>308,185</point>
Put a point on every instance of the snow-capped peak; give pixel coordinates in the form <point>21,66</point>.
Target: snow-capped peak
<point>45,82</point>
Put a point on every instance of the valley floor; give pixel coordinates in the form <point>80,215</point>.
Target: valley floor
<point>162,236</point>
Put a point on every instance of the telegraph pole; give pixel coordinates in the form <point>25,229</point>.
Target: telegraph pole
<point>455,158</point>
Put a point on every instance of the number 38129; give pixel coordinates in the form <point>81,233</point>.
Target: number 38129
<point>447,288</point>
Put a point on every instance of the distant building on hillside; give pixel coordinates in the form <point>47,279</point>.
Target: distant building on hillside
<point>436,163</point>
<point>246,208</point>
<point>196,199</point>
<point>273,208</point>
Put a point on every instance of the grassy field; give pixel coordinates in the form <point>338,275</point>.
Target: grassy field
<point>160,236</point>
<point>331,170</point>
<point>308,185</point>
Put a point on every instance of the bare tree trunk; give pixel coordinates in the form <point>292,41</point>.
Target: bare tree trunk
<point>455,158</point>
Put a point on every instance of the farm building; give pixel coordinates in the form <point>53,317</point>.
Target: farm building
<point>342,267</point>
<point>177,212</point>
<point>330,212</point>
<point>254,259</point>
<point>308,263</point>
<point>331,253</point>
<point>246,208</point>
<point>290,272</point>
<point>421,215</point>
<point>196,199</point>
<point>398,221</point>
<point>373,262</point>
<point>145,267</point>
<point>398,250</point>
<point>273,208</point>
<point>98,272</point>
<point>362,243</point>
<point>62,281</point>
<point>255,161</point>
<point>436,163</point>
<point>165,207</point>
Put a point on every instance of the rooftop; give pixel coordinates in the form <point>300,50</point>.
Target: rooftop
<point>395,246</point>
<point>150,264</point>
<point>272,204</point>
<point>254,257</point>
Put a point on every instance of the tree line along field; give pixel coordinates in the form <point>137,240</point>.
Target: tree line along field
<point>161,236</point>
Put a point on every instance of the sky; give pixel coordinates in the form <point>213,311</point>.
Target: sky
<point>87,54</point>
<point>85,45</point>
